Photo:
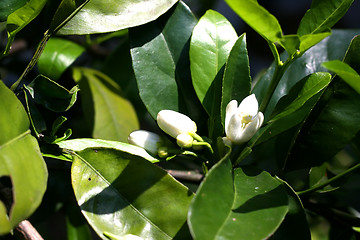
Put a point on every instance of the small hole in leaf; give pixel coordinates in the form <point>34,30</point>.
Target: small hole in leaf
<point>6,193</point>
<point>89,178</point>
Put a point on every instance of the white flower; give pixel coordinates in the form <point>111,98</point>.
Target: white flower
<point>148,140</point>
<point>241,123</point>
<point>174,123</point>
<point>184,140</point>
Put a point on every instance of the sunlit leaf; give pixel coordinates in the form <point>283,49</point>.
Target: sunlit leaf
<point>21,163</point>
<point>121,194</point>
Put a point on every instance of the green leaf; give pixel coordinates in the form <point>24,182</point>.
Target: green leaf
<point>110,115</point>
<point>347,73</point>
<point>317,175</point>
<point>57,56</point>
<point>335,122</point>
<point>309,40</point>
<point>237,81</point>
<point>52,95</point>
<point>121,194</point>
<point>22,17</point>
<point>159,54</point>
<point>80,144</point>
<point>76,225</point>
<point>295,224</point>
<point>9,6</point>
<point>212,40</point>
<point>99,16</point>
<point>247,204</point>
<point>297,110</point>
<point>20,161</point>
<point>291,43</point>
<point>37,121</point>
<point>332,47</point>
<point>257,18</point>
<point>322,15</point>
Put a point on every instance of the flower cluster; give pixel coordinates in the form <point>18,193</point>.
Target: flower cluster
<point>241,123</point>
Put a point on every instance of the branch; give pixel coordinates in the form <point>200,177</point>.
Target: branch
<point>186,175</point>
<point>27,231</point>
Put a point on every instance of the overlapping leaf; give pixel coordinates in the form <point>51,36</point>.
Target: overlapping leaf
<point>231,204</point>
<point>122,194</point>
<point>20,161</point>
<point>110,116</point>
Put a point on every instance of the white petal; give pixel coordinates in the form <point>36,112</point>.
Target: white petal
<point>251,129</point>
<point>145,139</point>
<point>174,123</point>
<point>230,111</point>
<point>234,130</point>
<point>249,106</point>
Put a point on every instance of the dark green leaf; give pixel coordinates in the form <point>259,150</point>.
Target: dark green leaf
<point>20,161</point>
<point>244,204</point>
<point>52,95</point>
<point>36,119</point>
<point>80,144</point>
<point>317,175</point>
<point>110,115</point>
<point>237,81</point>
<point>124,194</point>
<point>77,227</point>
<point>212,40</point>
<point>332,47</point>
<point>334,124</point>
<point>160,61</point>
<point>347,73</point>
<point>57,56</point>
<point>322,15</point>
<point>99,16</point>
<point>257,18</point>
<point>9,6</point>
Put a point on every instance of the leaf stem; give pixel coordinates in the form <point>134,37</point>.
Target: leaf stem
<point>331,180</point>
<point>33,60</point>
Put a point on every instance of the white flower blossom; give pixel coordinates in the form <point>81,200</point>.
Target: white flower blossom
<point>243,121</point>
<point>148,140</point>
<point>174,123</point>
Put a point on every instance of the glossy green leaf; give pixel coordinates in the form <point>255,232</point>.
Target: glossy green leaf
<point>159,54</point>
<point>9,6</point>
<point>240,204</point>
<point>111,116</point>
<point>347,73</point>
<point>335,123</point>
<point>332,47</point>
<point>22,17</point>
<point>237,81</point>
<point>66,11</point>
<point>20,160</point>
<point>52,95</point>
<point>257,18</point>
<point>212,40</point>
<point>297,110</point>
<point>80,144</point>
<point>317,175</point>
<point>322,15</point>
<point>36,119</point>
<point>291,43</point>
<point>309,40</point>
<point>121,194</point>
<point>99,16</point>
<point>57,56</point>
<point>295,224</point>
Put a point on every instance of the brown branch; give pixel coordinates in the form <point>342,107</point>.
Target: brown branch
<point>192,176</point>
<point>27,232</point>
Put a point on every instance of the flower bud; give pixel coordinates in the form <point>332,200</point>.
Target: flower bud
<point>145,139</point>
<point>174,123</point>
<point>241,123</point>
<point>184,140</point>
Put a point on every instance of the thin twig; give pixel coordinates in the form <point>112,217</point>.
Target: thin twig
<point>27,231</point>
<point>186,175</point>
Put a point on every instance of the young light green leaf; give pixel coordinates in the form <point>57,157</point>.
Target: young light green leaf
<point>52,95</point>
<point>21,162</point>
<point>237,80</point>
<point>258,18</point>
<point>160,61</point>
<point>80,144</point>
<point>99,16</point>
<point>347,73</point>
<point>243,198</point>
<point>121,194</point>
<point>212,40</point>
<point>309,40</point>
<point>322,15</point>
<point>110,116</point>
<point>57,56</point>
